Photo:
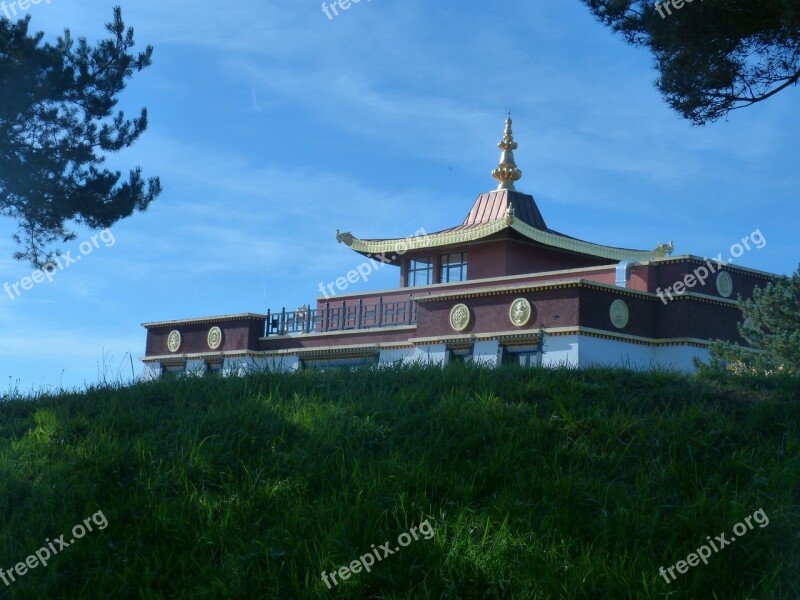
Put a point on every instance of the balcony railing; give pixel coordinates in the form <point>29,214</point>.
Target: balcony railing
<point>341,317</point>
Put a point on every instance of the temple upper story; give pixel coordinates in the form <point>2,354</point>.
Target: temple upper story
<point>503,234</point>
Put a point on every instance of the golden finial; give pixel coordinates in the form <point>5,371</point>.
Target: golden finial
<point>507,172</point>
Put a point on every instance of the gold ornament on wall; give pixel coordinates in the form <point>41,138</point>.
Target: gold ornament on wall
<point>459,317</point>
<point>214,337</point>
<point>619,314</point>
<point>174,340</point>
<point>520,312</point>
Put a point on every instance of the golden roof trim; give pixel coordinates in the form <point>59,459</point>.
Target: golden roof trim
<point>471,234</point>
<point>432,240</point>
<point>558,241</point>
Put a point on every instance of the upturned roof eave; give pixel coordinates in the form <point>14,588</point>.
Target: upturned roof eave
<point>390,248</point>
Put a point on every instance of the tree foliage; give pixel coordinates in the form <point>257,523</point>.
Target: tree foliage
<point>772,326</point>
<point>712,56</point>
<point>57,124</point>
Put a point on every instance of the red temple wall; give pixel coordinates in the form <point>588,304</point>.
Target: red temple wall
<point>237,335</point>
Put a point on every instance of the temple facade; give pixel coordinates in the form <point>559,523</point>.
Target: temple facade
<point>499,287</point>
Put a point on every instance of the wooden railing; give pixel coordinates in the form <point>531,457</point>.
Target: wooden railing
<point>341,317</point>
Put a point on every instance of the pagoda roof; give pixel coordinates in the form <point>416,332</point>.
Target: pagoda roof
<point>500,214</point>
<point>497,214</point>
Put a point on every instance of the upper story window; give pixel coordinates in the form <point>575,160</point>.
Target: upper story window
<point>420,272</point>
<point>454,267</point>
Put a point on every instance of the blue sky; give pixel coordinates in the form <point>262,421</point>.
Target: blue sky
<point>272,125</point>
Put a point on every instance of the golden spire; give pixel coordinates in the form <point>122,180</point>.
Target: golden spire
<point>507,172</point>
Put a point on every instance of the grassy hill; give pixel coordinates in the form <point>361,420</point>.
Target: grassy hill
<point>531,483</point>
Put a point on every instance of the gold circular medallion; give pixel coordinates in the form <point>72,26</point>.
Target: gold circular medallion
<point>459,317</point>
<point>214,337</point>
<point>619,314</point>
<point>724,284</point>
<point>520,312</point>
<point>174,340</point>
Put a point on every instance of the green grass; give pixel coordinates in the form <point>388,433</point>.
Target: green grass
<point>538,484</point>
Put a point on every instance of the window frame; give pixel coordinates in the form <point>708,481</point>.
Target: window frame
<point>413,273</point>
<point>448,267</point>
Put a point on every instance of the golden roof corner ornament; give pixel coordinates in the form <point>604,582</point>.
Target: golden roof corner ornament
<point>508,217</point>
<point>665,249</point>
<point>346,237</point>
<point>507,172</point>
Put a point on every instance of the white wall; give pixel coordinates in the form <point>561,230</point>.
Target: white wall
<point>434,354</point>
<point>598,352</point>
<point>560,350</point>
<point>680,357</point>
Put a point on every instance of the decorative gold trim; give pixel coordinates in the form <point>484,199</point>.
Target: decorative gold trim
<point>626,337</point>
<point>519,313</point>
<point>471,234</point>
<point>460,317</point>
<point>214,337</point>
<point>442,339</point>
<point>619,314</point>
<point>333,354</point>
<point>174,340</point>
<point>564,243</point>
<point>355,349</point>
<point>432,240</point>
<point>520,340</point>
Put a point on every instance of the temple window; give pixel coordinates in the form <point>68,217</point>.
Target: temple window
<point>420,272</point>
<point>454,267</point>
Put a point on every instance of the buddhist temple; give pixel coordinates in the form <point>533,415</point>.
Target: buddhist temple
<point>500,287</point>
